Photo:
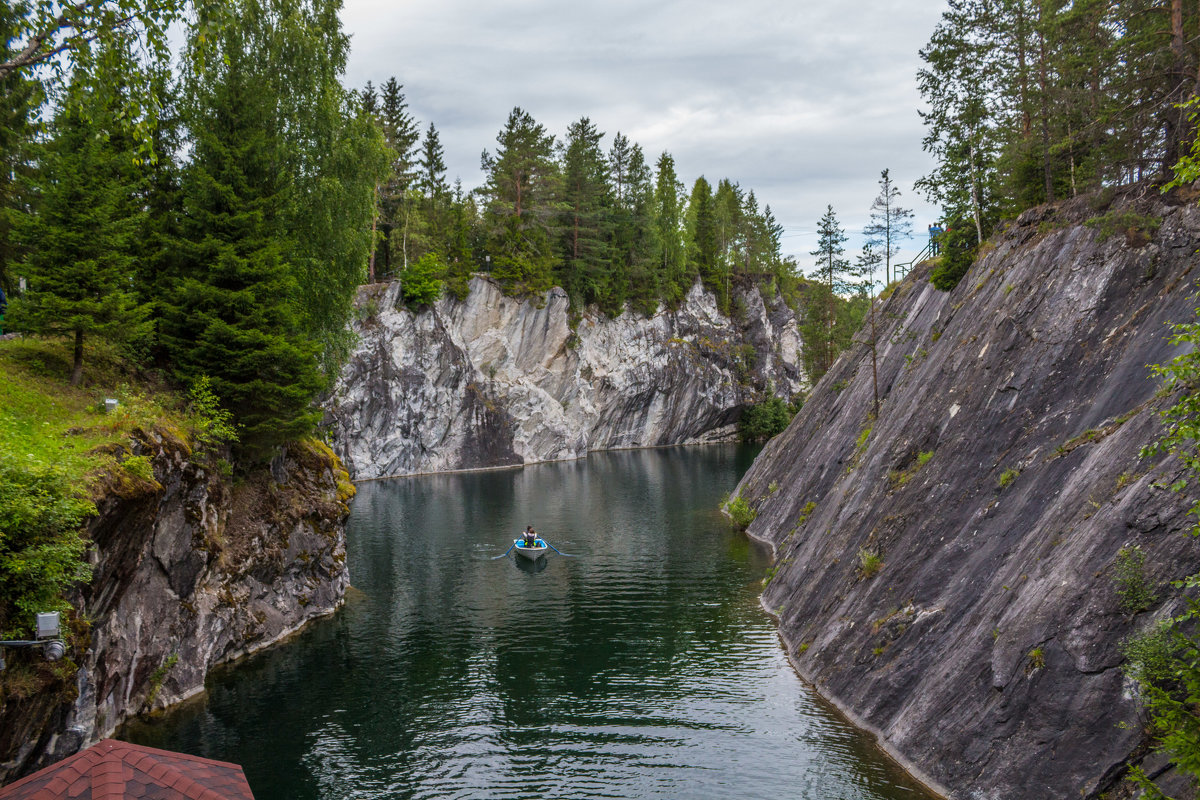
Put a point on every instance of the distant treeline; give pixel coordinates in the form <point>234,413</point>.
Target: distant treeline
<point>1030,102</point>
<point>600,222</point>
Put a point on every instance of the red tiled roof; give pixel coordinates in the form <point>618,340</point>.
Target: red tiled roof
<point>112,770</point>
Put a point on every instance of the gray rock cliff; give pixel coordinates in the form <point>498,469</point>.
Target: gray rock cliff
<point>189,570</point>
<point>996,487</point>
<point>494,381</point>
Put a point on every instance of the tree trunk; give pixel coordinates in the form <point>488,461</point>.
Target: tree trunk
<point>874,368</point>
<point>374,241</point>
<point>975,198</point>
<point>1043,88</point>
<point>77,369</point>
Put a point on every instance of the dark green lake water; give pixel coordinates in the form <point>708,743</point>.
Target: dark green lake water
<point>643,668</point>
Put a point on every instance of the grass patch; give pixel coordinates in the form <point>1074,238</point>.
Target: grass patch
<point>1007,477</point>
<point>899,477</point>
<point>59,452</point>
<point>869,562</point>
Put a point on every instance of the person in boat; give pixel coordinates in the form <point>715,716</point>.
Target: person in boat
<point>530,537</point>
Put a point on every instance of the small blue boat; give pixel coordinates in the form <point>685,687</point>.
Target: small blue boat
<point>533,553</point>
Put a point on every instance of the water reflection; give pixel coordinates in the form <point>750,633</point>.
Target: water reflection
<point>641,669</point>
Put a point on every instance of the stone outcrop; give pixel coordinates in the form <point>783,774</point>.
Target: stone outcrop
<point>495,381</point>
<point>945,573</point>
<point>190,569</point>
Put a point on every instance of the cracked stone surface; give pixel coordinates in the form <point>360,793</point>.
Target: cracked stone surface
<point>189,571</point>
<point>1036,363</point>
<point>494,381</point>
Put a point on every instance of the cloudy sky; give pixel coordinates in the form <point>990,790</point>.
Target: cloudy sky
<point>802,101</point>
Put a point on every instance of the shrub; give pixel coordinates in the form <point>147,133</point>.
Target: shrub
<point>1138,229</point>
<point>213,425</point>
<point>869,562</point>
<point>1037,659</point>
<point>1130,576</point>
<point>741,513</point>
<point>139,467</point>
<point>420,283</point>
<point>41,551</point>
<point>1007,477</point>
<point>764,420</point>
<point>960,249</point>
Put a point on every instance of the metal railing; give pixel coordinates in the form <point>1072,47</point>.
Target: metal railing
<point>906,266</point>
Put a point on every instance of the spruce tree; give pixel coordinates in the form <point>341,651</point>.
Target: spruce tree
<point>586,222</point>
<point>702,242</point>
<point>671,261</point>
<point>396,205</point>
<point>82,241</point>
<point>234,309</point>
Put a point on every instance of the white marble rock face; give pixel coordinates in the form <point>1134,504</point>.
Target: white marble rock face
<point>495,381</point>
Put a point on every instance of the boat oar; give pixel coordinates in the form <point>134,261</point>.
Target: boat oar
<point>506,552</point>
<point>560,552</point>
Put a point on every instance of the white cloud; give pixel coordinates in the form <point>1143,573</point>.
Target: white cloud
<point>804,102</point>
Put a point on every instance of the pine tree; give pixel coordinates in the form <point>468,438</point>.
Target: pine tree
<point>833,272</point>
<point>369,99</point>
<point>459,249</point>
<point>634,239</point>
<point>889,223</point>
<point>586,222</point>
<point>520,204</point>
<point>865,268</point>
<point>81,243</point>
<point>396,209</point>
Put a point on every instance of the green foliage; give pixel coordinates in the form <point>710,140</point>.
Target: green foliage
<point>139,467</point>
<point>1037,659</point>
<point>522,182</point>
<point>1150,656</point>
<point>420,284</point>
<point>1007,477</point>
<point>158,676</point>
<point>1138,229</point>
<point>869,562</point>
<point>1129,574</point>
<point>959,249</point>
<point>1031,103</point>
<point>900,477</point>
<point>740,512</point>
<point>213,425</point>
<point>1166,661</point>
<point>81,241</point>
<point>41,551</point>
<point>1181,378</point>
<point>276,199</point>
<point>764,420</point>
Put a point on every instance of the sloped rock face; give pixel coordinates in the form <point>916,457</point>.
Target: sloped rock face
<point>997,486</point>
<point>189,571</point>
<point>494,381</point>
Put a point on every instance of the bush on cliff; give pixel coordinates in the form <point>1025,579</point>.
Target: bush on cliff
<point>958,254</point>
<point>764,420</point>
<point>1166,662</point>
